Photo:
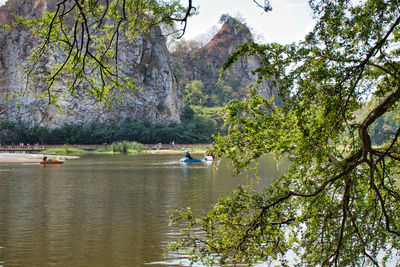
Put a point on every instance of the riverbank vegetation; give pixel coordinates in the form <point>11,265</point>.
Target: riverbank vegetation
<point>123,147</point>
<point>65,150</point>
<point>195,128</point>
<point>126,147</point>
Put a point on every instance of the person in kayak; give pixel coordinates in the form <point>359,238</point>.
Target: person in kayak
<point>188,155</point>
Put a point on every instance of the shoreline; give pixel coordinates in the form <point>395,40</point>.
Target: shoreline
<point>20,157</point>
<point>27,158</point>
<point>37,157</point>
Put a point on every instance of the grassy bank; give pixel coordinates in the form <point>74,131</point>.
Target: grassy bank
<point>126,147</point>
<point>196,150</point>
<point>64,151</point>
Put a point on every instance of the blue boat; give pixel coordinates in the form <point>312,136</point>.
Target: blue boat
<point>188,158</point>
<point>185,159</point>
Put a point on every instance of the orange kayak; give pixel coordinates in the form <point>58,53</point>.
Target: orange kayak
<point>52,161</point>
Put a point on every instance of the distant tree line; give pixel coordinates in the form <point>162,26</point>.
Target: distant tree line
<point>191,130</point>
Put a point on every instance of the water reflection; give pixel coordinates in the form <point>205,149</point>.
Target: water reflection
<point>103,210</point>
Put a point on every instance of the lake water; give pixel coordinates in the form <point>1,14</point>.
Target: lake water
<point>105,210</point>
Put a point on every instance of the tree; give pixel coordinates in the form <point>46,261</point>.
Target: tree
<point>86,35</point>
<point>187,114</point>
<point>229,88</point>
<point>193,93</point>
<point>339,202</point>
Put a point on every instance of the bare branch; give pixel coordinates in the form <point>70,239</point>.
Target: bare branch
<point>266,6</point>
<point>185,18</point>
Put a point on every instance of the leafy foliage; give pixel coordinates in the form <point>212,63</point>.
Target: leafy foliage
<point>85,36</point>
<point>193,130</point>
<point>229,88</point>
<point>339,202</point>
<point>125,147</point>
<point>193,93</point>
<point>384,127</point>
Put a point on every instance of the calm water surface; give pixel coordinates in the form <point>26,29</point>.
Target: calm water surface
<point>105,210</point>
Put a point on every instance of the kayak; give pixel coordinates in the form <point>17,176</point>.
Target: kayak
<point>186,159</point>
<point>52,161</point>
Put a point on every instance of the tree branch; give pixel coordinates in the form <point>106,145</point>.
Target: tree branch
<point>185,18</point>
<point>266,6</point>
<point>378,111</point>
<point>381,200</point>
<point>344,203</point>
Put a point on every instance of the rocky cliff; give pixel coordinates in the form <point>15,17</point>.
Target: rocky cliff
<point>204,64</point>
<point>147,60</point>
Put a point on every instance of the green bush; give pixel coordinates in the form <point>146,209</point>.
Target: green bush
<point>64,151</point>
<point>126,146</point>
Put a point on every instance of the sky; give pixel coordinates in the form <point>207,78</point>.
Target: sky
<point>288,22</point>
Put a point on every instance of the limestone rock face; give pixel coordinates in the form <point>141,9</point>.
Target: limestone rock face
<point>204,64</point>
<point>147,60</point>
<point>216,52</point>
